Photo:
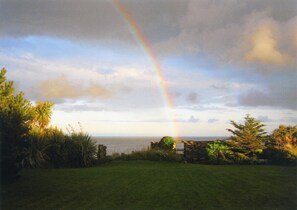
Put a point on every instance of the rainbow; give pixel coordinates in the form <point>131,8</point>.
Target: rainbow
<point>146,46</point>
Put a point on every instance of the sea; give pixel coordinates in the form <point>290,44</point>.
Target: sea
<point>129,144</point>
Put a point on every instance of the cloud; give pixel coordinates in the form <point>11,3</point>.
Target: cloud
<point>75,19</point>
<point>96,90</point>
<point>192,97</point>
<point>62,88</point>
<point>227,31</point>
<point>291,120</point>
<point>264,47</point>
<point>59,88</point>
<point>88,19</point>
<point>85,107</point>
<point>215,28</point>
<point>193,119</point>
<point>275,97</point>
<point>264,118</point>
<point>212,120</point>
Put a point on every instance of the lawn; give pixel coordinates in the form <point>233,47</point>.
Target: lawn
<point>154,185</point>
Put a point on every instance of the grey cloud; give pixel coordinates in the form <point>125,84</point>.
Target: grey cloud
<point>223,29</point>
<point>218,28</point>
<point>161,120</point>
<point>264,118</point>
<point>192,97</point>
<point>290,120</point>
<point>193,119</point>
<point>276,97</point>
<point>220,86</point>
<point>75,19</point>
<point>212,120</point>
<point>88,19</point>
<point>204,107</point>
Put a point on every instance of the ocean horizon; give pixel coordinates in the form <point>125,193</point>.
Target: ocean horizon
<point>128,144</point>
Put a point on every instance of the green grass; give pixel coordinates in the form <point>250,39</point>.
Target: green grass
<point>154,185</point>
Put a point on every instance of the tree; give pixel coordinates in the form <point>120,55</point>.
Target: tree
<point>248,138</point>
<point>43,113</point>
<point>285,139</point>
<point>16,115</point>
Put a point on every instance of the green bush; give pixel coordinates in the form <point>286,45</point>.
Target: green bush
<point>54,150</point>
<point>276,156</point>
<point>153,155</point>
<point>82,151</point>
<point>166,142</point>
<point>218,152</point>
<point>35,150</point>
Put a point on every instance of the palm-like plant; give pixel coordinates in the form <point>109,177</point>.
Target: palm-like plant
<point>43,113</point>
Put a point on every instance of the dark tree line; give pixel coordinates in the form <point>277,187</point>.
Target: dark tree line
<point>27,140</point>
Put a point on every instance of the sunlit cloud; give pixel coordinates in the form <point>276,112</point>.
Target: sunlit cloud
<point>61,88</point>
<point>264,47</point>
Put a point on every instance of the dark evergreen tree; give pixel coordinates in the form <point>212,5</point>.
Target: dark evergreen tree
<point>248,138</point>
<point>16,115</point>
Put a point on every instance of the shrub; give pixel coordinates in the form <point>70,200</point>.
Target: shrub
<point>82,150</point>
<point>153,155</point>
<point>276,156</point>
<point>54,150</point>
<point>167,143</point>
<point>218,152</point>
<point>35,150</point>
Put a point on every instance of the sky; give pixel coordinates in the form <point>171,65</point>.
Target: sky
<point>154,68</point>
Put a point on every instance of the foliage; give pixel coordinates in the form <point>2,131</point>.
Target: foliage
<point>28,141</point>
<point>167,143</point>
<point>248,138</point>
<point>55,139</point>
<point>285,138</point>
<point>82,151</point>
<point>282,145</point>
<point>42,115</point>
<point>195,151</point>
<point>16,115</point>
<point>39,137</point>
<point>153,155</point>
<point>35,150</point>
<point>219,152</point>
<point>280,157</point>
